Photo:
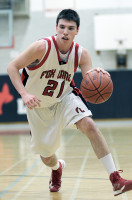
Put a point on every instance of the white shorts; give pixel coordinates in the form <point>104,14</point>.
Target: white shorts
<point>46,124</point>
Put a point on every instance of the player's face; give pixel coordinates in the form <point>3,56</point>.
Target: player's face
<point>66,31</point>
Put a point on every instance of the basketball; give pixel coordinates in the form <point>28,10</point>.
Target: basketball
<point>96,86</point>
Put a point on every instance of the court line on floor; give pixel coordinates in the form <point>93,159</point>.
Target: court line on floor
<point>5,191</point>
<point>14,165</point>
<point>64,177</point>
<point>75,190</point>
<point>67,139</point>
<point>28,183</point>
<point>115,156</point>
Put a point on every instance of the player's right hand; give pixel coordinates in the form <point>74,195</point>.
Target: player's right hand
<point>102,70</point>
<point>98,69</point>
<point>31,101</point>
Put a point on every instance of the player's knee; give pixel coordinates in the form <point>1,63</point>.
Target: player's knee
<point>47,160</point>
<point>87,126</point>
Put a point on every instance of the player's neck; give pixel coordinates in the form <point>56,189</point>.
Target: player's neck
<point>63,48</point>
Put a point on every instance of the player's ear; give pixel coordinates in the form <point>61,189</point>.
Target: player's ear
<point>77,30</point>
<point>56,28</point>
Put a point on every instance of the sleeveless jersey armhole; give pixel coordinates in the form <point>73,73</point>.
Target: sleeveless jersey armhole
<point>79,53</point>
<point>36,65</point>
<point>45,51</point>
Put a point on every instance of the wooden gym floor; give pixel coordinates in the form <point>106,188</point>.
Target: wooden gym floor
<point>24,177</point>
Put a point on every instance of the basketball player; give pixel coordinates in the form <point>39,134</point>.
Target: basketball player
<point>52,100</point>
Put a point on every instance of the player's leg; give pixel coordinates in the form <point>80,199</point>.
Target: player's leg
<point>56,166</point>
<point>51,161</point>
<point>45,125</point>
<point>88,127</point>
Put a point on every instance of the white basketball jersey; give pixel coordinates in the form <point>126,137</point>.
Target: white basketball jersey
<point>51,79</point>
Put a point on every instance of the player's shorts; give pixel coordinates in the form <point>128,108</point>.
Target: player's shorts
<point>46,124</point>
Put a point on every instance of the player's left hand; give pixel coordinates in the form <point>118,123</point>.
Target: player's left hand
<point>102,70</point>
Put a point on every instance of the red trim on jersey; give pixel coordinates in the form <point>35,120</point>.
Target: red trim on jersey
<point>45,57</point>
<point>77,92</point>
<point>55,43</point>
<point>53,38</point>
<point>22,77</point>
<point>76,57</point>
<point>72,84</point>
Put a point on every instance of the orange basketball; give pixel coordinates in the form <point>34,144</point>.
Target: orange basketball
<point>96,86</point>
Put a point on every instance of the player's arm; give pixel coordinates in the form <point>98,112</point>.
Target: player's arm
<point>85,62</point>
<point>34,52</point>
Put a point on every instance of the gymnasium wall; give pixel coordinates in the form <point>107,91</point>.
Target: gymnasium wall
<point>28,30</point>
<point>119,105</point>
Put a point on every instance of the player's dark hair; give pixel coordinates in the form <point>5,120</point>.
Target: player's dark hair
<point>70,15</point>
